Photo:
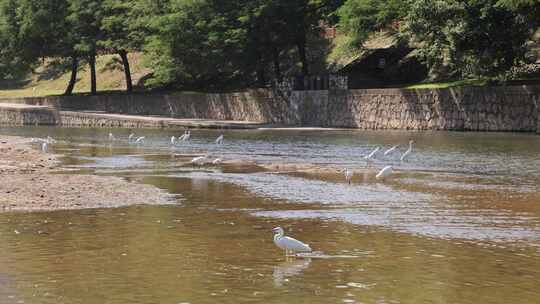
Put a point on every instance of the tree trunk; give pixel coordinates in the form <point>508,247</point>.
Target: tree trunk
<point>301,35</point>
<point>301,44</point>
<point>261,77</point>
<point>92,63</point>
<point>127,71</point>
<point>73,79</point>
<point>277,68</point>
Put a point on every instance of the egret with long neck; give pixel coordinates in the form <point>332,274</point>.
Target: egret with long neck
<point>408,152</point>
<point>288,244</point>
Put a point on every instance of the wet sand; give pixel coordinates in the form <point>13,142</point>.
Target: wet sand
<point>32,180</point>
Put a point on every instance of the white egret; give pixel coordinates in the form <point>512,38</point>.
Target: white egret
<point>217,161</point>
<point>187,136</point>
<point>408,152</point>
<point>130,137</point>
<point>173,140</point>
<point>348,175</point>
<point>369,158</point>
<point>288,244</point>
<point>391,150</point>
<point>219,140</point>
<point>372,154</point>
<point>201,160</point>
<point>140,140</point>
<point>39,140</point>
<point>385,172</point>
<point>44,147</point>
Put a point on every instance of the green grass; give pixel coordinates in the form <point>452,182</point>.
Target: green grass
<point>110,77</point>
<point>449,84</point>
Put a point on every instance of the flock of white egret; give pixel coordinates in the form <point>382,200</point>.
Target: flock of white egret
<point>186,137</point>
<point>290,245</point>
<point>206,159</point>
<point>386,171</point>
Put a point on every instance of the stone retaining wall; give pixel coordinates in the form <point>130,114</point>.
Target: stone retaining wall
<point>28,116</point>
<point>468,109</point>
<point>514,108</point>
<point>252,105</point>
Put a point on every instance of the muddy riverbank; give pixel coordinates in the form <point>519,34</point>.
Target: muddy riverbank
<point>32,180</point>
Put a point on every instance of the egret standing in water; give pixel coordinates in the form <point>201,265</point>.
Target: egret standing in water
<point>348,175</point>
<point>173,140</point>
<point>408,152</point>
<point>140,140</point>
<point>385,172</point>
<point>130,137</point>
<point>219,140</point>
<point>185,136</point>
<point>370,156</point>
<point>391,150</point>
<point>44,147</point>
<point>201,160</point>
<point>288,244</point>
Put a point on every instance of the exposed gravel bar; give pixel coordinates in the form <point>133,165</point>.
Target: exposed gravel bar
<point>31,180</point>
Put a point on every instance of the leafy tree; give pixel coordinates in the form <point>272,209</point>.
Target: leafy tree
<point>32,30</point>
<point>471,38</point>
<point>205,51</point>
<point>124,29</point>
<point>12,64</point>
<point>85,17</point>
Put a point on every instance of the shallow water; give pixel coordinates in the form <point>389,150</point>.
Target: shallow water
<point>458,223</point>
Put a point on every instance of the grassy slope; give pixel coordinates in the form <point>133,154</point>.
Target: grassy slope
<point>110,77</point>
<point>449,84</point>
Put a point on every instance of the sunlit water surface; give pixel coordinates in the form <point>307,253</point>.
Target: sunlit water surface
<point>459,222</point>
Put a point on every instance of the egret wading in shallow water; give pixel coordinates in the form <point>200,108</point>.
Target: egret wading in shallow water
<point>391,150</point>
<point>369,158</point>
<point>173,140</point>
<point>219,140</point>
<point>201,160</point>
<point>186,136</point>
<point>140,140</point>
<point>130,137</point>
<point>288,244</point>
<point>385,172</point>
<point>348,175</point>
<point>44,147</point>
<point>181,137</point>
<point>408,152</point>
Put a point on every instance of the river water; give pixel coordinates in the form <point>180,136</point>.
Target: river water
<point>459,222</point>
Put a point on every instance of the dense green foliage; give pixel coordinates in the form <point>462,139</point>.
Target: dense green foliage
<point>470,38</point>
<point>458,38</point>
<point>238,43</point>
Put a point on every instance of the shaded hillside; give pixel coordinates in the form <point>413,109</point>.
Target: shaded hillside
<point>51,78</point>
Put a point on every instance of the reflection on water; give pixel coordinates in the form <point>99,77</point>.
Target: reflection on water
<point>458,223</point>
<point>289,268</point>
